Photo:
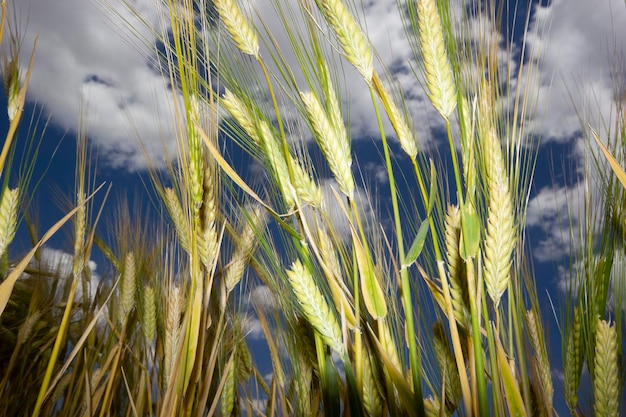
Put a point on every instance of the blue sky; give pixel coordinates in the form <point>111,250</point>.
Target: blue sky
<point>88,64</point>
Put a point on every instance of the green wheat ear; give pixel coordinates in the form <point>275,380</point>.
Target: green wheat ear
<point>606,379</point>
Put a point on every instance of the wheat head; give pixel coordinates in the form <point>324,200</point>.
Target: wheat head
<point>237,26</point>
<point>606,379</point>
<point>129,278</point>
<point>501,236</point>
<point>149,314</point>
<point>539,346</point>
<point>353,42</point>
<point>458,279</point>
<point>439,79</point>
<point>314,306</point>
<point>573,361</point>
<point>334,146</point>
<point>180,220</point>
<point>8,217</point>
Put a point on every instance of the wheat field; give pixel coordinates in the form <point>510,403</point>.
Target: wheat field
<point>418,298</point>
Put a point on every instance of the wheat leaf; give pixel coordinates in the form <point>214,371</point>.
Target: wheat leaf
<point>619,171</point>
<point>417,245</point>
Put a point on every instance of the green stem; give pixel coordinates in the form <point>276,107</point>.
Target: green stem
<point>407,301</point>
<point>475,291</point>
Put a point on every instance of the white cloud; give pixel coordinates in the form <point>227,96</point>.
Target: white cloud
<point>87,63</point>
<point>85,54</point>
<point>585,40</point>
<point>556,212</point>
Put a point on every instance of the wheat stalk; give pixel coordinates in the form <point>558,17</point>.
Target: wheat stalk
<point>333,144</point>
<point>314,306</point>
<point>8,217</point>
<point>439,79</point>
<point>237,26</point>
<point>606,379</point>
<point>353,42</point>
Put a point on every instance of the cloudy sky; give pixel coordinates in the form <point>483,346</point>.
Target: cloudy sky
<point>88,63</point>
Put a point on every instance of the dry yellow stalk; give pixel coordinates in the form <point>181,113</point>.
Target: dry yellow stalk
<point>355,46</point>
<point>172,203</point>
<point>237,26</point>
<point>606,379</point>
<point>314,306</point>
<point>8,217</point>
<point>334,146</point>
<point>439,79</point>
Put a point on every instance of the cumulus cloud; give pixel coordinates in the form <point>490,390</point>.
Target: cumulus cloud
<point>87,65</point>
<point>88,61</point>
<point>86,57</point>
